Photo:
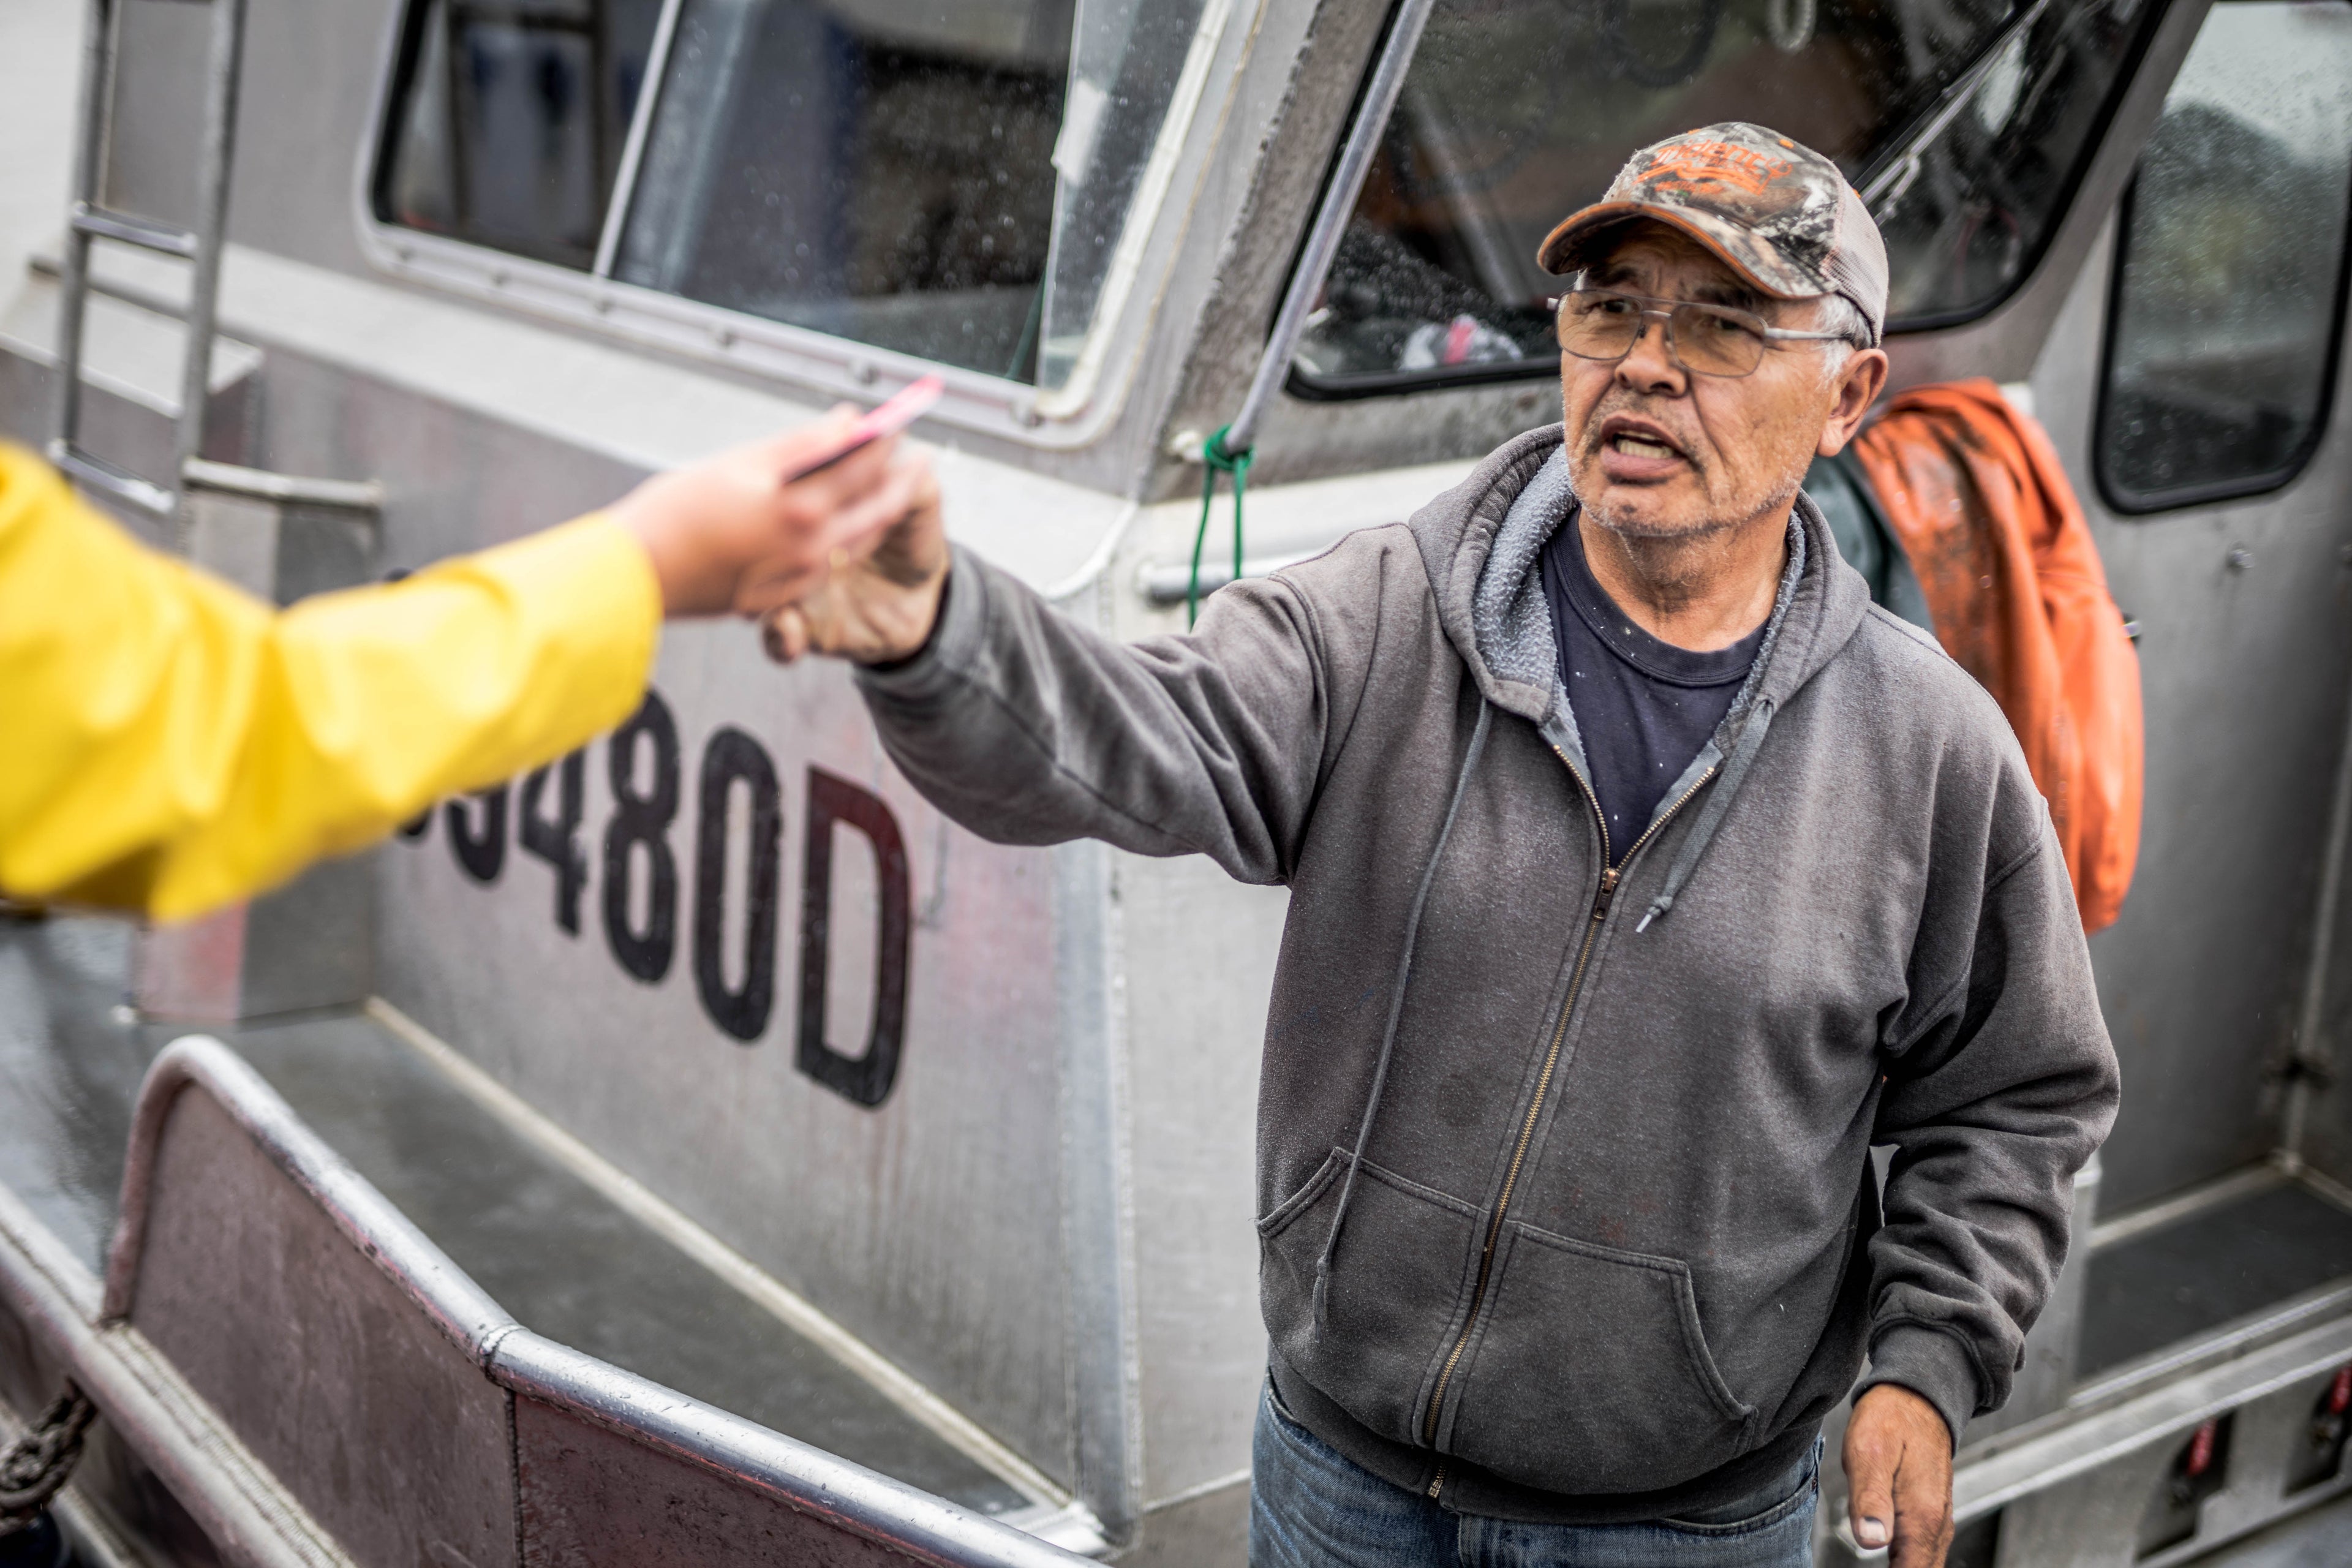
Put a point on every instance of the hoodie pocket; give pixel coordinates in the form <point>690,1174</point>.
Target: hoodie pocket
<point>1591,1374</point>
<point>1397,1287</point>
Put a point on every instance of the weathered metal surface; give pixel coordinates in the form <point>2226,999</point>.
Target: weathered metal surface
<point>1106,1405</point>
<point>1204,1529</point>
<point>615,1469</point>
<point>68,1075</point>
<point>205,1485</point>
<point>2319,1099</point>
<point>384,1429</point>
<point>2078,1495</point>
<point>2244,677</point>
<point>2208,1268</point>
<point>306,1333</point>
<point>588,1496</point>
<point>1199,953</point>
<point>573,1259</point>
<point>555,1237</point>
<point>311,944</point>
<point>922,1206</point>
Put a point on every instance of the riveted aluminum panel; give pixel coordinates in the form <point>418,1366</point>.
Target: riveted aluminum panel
<point>378,1425</point>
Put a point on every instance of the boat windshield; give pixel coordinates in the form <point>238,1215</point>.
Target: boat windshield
<point>946,178</point>
<point>1966,123</point>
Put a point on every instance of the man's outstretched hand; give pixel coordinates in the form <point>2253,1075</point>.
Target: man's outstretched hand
<point>1898,1467</point>
<point>878,607</point>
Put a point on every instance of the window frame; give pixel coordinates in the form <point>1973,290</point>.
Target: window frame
<point>2119,498</point>
<point>1300,384</point>
<point>820,363</point>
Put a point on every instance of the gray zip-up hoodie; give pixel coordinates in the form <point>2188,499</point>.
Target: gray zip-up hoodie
<point>1564,1175</point>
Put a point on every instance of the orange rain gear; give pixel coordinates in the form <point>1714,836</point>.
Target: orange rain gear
<point>1975,493</point>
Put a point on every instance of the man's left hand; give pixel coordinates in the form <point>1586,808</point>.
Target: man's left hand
<point>880,607</point>
<point>1899,1472</point>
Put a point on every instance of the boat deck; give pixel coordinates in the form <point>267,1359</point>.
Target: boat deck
<point>574,1265</point>
<point>564,1258</point>
<point>2207,1268</point>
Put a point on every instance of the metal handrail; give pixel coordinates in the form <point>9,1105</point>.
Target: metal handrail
<point>1163,585</point>
<point>461,1310</point>
<point>805,1478</point>
<point>88,218</point>
<point>2065,1447</point>
<point>283,489</point>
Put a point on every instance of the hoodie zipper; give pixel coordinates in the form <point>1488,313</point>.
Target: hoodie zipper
<point>1610,876</point>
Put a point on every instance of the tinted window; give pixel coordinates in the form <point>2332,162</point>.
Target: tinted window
<point>1516,112</point>
<point>2223,335</point>
<point>512,119</point>
<point>949,178</point>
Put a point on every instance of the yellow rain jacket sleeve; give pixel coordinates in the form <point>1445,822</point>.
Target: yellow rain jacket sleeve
<point>168,744</point>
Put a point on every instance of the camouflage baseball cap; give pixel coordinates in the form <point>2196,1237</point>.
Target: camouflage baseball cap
<point>1779,214</point>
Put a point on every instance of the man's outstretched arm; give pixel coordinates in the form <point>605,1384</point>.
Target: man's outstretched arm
<point>1027,727</point>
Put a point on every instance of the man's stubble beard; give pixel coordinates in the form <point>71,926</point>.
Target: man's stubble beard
<point>1624,515</point>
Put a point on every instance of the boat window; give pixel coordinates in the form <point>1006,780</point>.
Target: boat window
<point>512,118</point>
<point>2226,318</point>
<point>946,178</point>
<point>1964,123</point>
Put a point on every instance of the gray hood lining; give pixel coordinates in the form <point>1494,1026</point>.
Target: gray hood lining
<point>1510,618</point>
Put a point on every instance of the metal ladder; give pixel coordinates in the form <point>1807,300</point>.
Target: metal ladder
<point>87,219</point>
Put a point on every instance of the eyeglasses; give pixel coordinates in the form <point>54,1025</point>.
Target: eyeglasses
<point>1710,340</point>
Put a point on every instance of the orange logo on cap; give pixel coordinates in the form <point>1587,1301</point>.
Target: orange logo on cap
<point>1698,163</point>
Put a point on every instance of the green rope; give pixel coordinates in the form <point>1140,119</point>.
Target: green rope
<point>1215,460</point>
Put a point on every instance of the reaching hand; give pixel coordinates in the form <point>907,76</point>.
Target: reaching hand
<point>728,535</point>
<point>1898,1471</point>
<point>877,607</point>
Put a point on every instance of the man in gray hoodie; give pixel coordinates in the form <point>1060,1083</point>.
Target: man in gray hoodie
<point>1642,877</point>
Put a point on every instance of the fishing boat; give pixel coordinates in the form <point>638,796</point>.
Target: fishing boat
<point>701,1150</point>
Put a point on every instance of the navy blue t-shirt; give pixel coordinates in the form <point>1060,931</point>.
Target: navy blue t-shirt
<point>1645,708</point>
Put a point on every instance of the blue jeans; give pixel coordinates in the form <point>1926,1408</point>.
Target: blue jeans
<point>1310,1507</point>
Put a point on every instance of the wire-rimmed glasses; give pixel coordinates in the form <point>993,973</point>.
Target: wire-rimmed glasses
<point>1604,324</point>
